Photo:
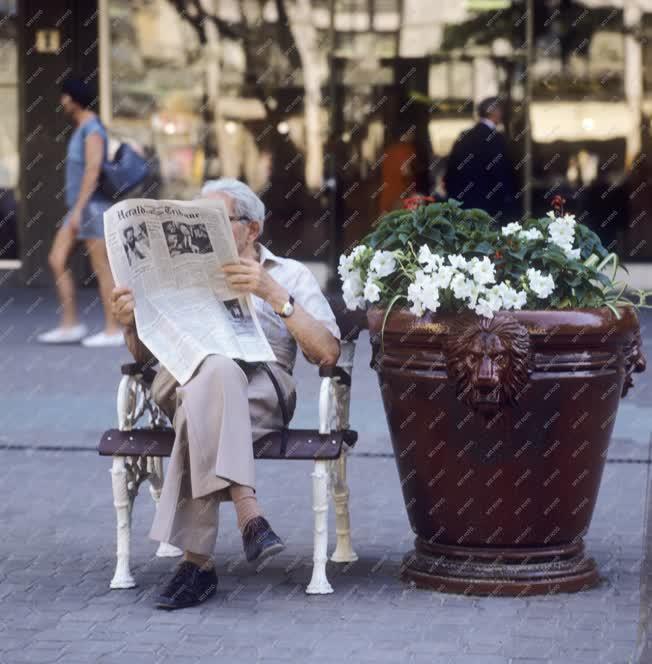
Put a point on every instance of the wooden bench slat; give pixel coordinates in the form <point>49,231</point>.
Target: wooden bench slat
<point>137,442</point>
<point>301,444</point>
<point>304,444</point>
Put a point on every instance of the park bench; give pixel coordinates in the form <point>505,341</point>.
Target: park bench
<point>138,453</point>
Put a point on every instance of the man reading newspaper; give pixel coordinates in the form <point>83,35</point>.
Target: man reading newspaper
<point>224,405</point>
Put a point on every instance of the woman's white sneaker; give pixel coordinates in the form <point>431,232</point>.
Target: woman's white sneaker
<point>64,335</point>
<point>102,339</point>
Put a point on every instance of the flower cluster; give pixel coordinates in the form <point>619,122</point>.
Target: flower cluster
<point>441,257</point>
<point>561,232</point>
<point>352,285</point>
<point>471,282</point>
<point>521,233</point>
<point>355,289</point>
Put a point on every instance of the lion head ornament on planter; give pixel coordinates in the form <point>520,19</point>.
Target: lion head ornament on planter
<point>489,359</point>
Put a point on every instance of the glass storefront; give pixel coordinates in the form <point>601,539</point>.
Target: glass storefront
<point>336,111</point>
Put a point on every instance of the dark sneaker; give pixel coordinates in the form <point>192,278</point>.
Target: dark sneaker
<point>259,540</point>
<point>189,586</point>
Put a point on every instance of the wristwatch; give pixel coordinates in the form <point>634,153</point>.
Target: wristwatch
<point>287,309</point>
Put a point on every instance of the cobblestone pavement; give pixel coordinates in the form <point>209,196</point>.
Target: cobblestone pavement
<point>57,549</point>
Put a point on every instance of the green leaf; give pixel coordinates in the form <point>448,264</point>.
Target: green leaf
<point>484,248</point>
<point>613,259</point>
<point>517,255</point>
<point>611,306</point>
<point>385,317</point>
<point>433,234</point>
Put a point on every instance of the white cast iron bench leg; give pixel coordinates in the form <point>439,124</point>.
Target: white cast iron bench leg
<point>319,584</point>
<point>334,401</point>
<point>127,474</point>
<point>127,404</point>
<point>344,552</point>
<point>123,503</point>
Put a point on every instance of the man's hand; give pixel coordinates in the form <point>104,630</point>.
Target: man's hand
<point>122,306</point>
<point>249,276</point>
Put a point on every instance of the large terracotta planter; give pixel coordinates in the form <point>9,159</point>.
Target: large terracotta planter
<point>500,430</point>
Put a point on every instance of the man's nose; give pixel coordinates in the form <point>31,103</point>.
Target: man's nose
<point>486,374</point>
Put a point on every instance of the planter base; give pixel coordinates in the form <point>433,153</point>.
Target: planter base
<point>500,571</point>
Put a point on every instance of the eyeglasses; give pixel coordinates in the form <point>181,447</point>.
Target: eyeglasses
<point>244,220</point>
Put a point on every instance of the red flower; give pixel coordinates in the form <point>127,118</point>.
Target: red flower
<point>558,204</point>
<point>413,202</point>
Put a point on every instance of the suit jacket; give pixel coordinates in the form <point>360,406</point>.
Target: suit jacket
<point>480,174</point>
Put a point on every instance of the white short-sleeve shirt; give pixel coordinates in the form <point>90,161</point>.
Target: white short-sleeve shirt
<point>301,283</point>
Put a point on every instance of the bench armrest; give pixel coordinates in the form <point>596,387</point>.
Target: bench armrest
<point>144,369</point>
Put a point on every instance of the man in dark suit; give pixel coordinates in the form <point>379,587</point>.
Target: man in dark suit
<point>480,173</point>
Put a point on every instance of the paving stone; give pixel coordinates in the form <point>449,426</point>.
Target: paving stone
<point>132,658</point>
<point>36,655</point>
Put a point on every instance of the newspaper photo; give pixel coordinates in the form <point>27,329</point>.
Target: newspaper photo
<point>170,254</point>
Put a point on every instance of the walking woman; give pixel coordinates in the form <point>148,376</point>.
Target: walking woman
<point>83,222</point>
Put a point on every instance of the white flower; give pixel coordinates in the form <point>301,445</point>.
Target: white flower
<point>561,236</point>
<point>442,277</point>
<point>414,295</point>
<point>475,290</point>
<point>551,214</point>
<point>490,302</point>
<point>371,291</point>
<point>414,291</point>
<point>511,229</point>
<point>485,308</point>
<point>512,299</point>
<point>494,298</point>
<point>417,308</point>
<point>352,302</point>
<point>483,271</point>
<point>573,253</point>
<point>424,255</point>
<point>461,286</point>
<point>352,290</point>
<point>429,260</point>
<point>383,263</point>
<point>561,231</point>
<point>530,234</point>
<point>346,262</point>
<point>430,297</point>
<point>458,262</point>
<point>542,285</point>
<point>421,278</point>
<point>344,266</point>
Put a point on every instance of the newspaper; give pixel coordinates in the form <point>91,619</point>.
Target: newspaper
<point>170,253</point>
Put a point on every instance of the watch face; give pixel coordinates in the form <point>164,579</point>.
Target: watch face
<point>287,309</point>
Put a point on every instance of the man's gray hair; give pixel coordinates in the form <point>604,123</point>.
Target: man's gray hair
<point>246,204</point>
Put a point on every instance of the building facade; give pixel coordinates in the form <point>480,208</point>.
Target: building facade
<point>335,111</point>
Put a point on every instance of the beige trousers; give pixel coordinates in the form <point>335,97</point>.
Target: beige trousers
<point>216,415</point>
